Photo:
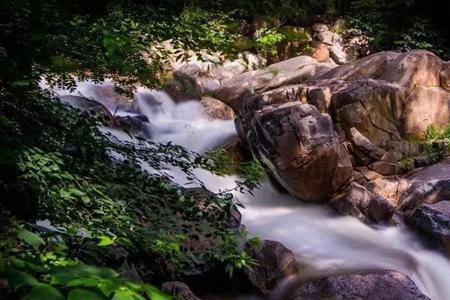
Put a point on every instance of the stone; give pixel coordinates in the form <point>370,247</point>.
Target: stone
<point>319,52</point>
<point>300,148</point>
<point>322,33</point>
<point>179,290</point>
<point>365,145</point>
<point>295,70</point>
<point>359,202</point>
<point>216,109</point>
<point>384,285</point>
<point>372,107</point>
<point>320,97</point>
<point>445,76</point>
<point>275,262</point>
<point>427,186</point>
<point>432,218</point>
<point>338,54</point>
<point>84,104</point>
<point>386,168</point>
<point>425,106</point>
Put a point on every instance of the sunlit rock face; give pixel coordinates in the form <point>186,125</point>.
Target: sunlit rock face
<point>309,123</point>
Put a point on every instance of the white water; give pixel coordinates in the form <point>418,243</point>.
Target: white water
<point>323,244</point>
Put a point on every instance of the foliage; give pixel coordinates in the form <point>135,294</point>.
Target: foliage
<point>434,146</point>
<point>221,163</point>
<point>40,266</point>
<point>416,27</point>
<point>57,166</point>
<point>268,40</point>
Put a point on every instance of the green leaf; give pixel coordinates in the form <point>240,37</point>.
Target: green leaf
<point>86,282</point>
<point>30,238</point>
<point>127,295</point>
<point>44,292</point>
<point>80,294</point>
<point>65,275</point>
<point>18,279</point>
<point>155,294</point>
<point>107,287</point>
<point>105,241</point>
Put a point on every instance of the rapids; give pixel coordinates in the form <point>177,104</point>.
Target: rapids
<point>323,243</point>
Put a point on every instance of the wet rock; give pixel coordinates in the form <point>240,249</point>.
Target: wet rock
<point>387,285</point>
<point>427,186</point>
<point>216,109</point>
<point>359,202</point>
<point>276,262</point>
<point>179,290</point>
<point>84,104</point>
<point>432,218</point>
<point>299,146</point>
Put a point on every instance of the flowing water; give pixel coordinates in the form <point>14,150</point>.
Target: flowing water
<point>323,243</point>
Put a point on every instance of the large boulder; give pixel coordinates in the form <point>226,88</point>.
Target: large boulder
<point>386,285</point>
<point>427,186</point>
<point>291,71</point>
<point>310,124</point>
<point>299,146</point>
<point>432,218</point>
<point>216,109</point>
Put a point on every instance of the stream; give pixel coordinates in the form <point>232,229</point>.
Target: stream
<point>323,243</point>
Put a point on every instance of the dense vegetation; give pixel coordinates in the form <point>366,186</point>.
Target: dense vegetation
<point>76,221</point>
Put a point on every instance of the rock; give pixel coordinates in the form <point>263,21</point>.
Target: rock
<point>216,109</point>
<point>298,69</point>
<point>357,201</point>
<point>432,218</point>
<point>91,106</point>
<point>320,97</point>
<point>191,80</point>
<point>299,146</point>
<point>319,52</point>
<point>322,33</point>
<point>415,68</point>
<point>386,168</point>
<point>179,290</point>
<point>445,76</point>
<point>365,145</point>
<point>338,54</point>
<point>386,285</point>
<point>356,47</point>
<point>375,104</point>
<point>425,106</point>
<point>371,107</point>
<point>276,262</point>
<point>427,186</point>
